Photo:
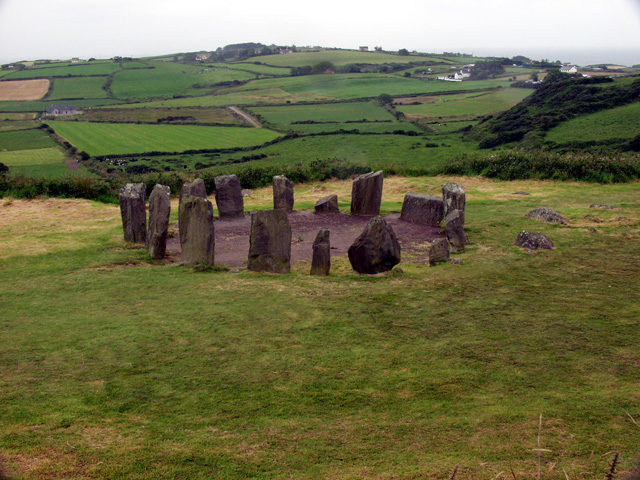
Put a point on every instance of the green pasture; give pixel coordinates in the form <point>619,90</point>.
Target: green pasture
<point>153,115</point>
<point>256,68</point>
<point>25,140</point>
<point>119,138</point>
<point>117,367</point>
<point>614,123</point>
<point>71,70</point>
<point>468,104</point>
<point>42,105</point>
<point>329,112</point>
<point>168,79</point>
<point>78,87</point>
<point>41,162</point>
<point>7,125</point>
<point>337,57</point>
<point>362,127</point>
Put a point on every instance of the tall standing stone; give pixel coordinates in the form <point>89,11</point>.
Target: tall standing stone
<point>454,198</point>
<point>159,210</point>
<point>282,193</point>
<point>328,204</point>
<point>197,234</point>
<point>270,242</point>
<point>229,199</point>
<point>376,250</point>
<point>321,261</point>
<point>455,231</point>
<point>195,189</point>
<point>366,194</point>
<point>423,209</point>
<point>133,212</point>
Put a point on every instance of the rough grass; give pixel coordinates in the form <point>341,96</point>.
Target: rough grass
<point>115,367</point>
<point>23,90</point>
<point>43,162</point>
<point>78,87</point>
<point>337,57</point>
<point>614,123</point>
<point>65,71</point>
<point>152,115</point>
<point>330,112</point>
<point>119,138</point>
<point>24,140</point>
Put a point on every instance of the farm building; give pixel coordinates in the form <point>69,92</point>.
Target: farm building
<point>569,69</point>
<point>200,57</point>
<point>61,110</point>
<point>364,49</point>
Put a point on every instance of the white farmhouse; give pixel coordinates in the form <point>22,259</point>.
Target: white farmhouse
<point>569,69</point>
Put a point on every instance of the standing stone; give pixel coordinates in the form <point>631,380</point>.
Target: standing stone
<point>455,231</point>
<point>423,209</point>
<point>533,241</point>
<point>327,204</point>
<point>282,193</point>
<point>195,189</point>
<point>229,196</point>
<point>321,262</point>
<point>197,235</point>
<point>270,242</point>
<point>159,210</point>
<point>366,194</point>
<point>376,250</point>
<point>438,251</point>
<point>133,212</point>
<point>454,198</point>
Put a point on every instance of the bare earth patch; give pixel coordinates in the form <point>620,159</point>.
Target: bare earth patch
<point>24,89</point>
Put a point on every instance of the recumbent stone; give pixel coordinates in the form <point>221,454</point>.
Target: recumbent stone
<point>423,209</point>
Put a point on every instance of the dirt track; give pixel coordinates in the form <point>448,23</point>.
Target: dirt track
<point>232,237</point>
<point>246,117</point>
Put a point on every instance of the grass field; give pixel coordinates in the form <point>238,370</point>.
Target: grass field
<point>25,140</point>
<point>7,125</point>
<point>42,105</point>
<point>337,57</point>
<point>23,90</point>
<point>467,105</point>
<point>256,68</point>
<point>614,123</point>
<point>330,112</point>
<point>42,162</point>
<point>73,70</point>
<point>78,87</point>
<point>152,115</point>
<point>116,367</point>
<point>168,79</point>
<point>119,138</point>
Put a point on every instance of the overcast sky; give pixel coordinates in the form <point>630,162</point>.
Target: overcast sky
<point>31,29</point>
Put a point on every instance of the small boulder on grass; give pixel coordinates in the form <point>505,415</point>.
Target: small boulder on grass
<point>533,241</point>
<point>376,250</point>
<point>545,214</point>
<point>439,251</point>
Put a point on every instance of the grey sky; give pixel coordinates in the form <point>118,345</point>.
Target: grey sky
<point>31,29</point>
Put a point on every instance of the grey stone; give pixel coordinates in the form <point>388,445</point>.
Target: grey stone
<point>533,241</point>
<point>423,209</point>
<point>270,242</point>
<point>197,234</point>
<point>376,250</point>
<point>366,194</point>
<point>438,251</point>
<point>454,198</point>
<point>545,214</point>
<point>327,204</point>
<point>282,193</point>
<point>133,211</point>
<point>602,206</point>
<point>196,189</point>
<point>159,210</point>
<point>455,231</point>
<point>321,262</point>
<point>521,193</point>
<point>455,261</point>
<point>229,196</point>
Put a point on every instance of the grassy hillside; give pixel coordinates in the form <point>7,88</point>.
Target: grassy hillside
<point>614,123</point>
<point>24,139</point>
<point>338,58</point>
<point>117,367</point>
<point>69,70</point>
<point>40,162</point>
<point>114,138</point>
<point>78,87</point>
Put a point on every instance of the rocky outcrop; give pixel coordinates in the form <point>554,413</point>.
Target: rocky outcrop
<point>282,193</point>
<point>321,261</point>
<point>376,250</point>
<point>454,229</point>
<point>134,213</point>
<point>159,211</point>
<point>229,198</point>
<point>454,198</point>
<point>328,204</point>
<point>366,194</point>
<point>270,242</point>
<point>197,234</point>
<point>533,241</point>
<point>423,209</point>
<point>545,214</point>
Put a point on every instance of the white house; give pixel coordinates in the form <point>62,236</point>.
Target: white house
<point>569,69</point>
<point>364,49</point>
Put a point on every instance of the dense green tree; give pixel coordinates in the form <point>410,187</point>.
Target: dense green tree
<point>403,52</point>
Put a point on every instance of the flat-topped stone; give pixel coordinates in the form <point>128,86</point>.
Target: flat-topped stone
<point>366,194</point>
<point>133,212</point>
<point>270,242</point>
<point>229,198</point>
<point>423,209</point>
